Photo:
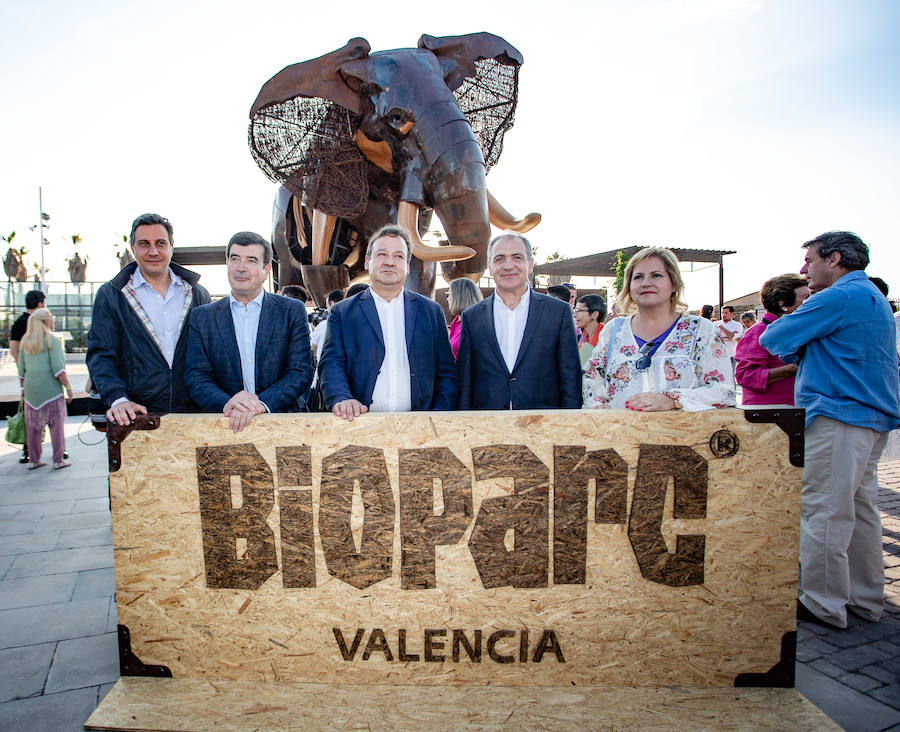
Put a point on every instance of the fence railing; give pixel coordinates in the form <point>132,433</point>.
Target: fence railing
<point>71,305</point>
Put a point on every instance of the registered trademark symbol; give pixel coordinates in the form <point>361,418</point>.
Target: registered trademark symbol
<point>724,443</point>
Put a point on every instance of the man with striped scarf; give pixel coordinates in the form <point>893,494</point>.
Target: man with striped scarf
<point>138,339</point>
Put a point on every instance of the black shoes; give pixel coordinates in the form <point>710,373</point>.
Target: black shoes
<point>804,613</point>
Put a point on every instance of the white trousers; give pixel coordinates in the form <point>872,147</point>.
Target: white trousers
<point>841,560</point>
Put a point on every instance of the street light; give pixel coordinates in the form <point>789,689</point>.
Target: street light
<point>43,217</point>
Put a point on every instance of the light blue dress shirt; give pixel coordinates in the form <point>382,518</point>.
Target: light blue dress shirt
<point>848,364</point>
<point>164,312</point>
<point>246,326</point>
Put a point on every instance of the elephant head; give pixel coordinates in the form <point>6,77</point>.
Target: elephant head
<point>371,137</point>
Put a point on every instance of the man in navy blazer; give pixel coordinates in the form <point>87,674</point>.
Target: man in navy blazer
<point>387,349</point>
<point>517,348</point>
<point>249,353</point>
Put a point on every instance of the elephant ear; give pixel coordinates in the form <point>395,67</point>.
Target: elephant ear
<point>302,133</point>
<point>482,71</point>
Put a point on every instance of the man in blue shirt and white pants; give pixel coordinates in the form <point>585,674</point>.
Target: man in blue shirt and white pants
<point>848,384</point>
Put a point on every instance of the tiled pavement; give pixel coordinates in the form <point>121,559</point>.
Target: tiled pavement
<point>58,645</point>
<point>58,649</point>
<point>864,658</point>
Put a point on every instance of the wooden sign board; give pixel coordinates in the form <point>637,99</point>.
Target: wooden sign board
<point>192,705</point>
<point>601,548</point>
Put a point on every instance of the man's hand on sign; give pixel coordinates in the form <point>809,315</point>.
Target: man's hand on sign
<point>349,409</point>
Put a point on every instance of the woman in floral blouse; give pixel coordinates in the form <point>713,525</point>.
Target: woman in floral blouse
<point>658,358</point>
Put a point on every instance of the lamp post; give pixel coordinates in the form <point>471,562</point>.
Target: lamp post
<point>41,233</point>
<point>41,219</point>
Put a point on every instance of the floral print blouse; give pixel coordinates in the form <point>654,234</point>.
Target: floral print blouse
<point>691,366</point>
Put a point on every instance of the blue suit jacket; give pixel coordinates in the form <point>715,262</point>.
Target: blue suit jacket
<point>283,357</point>
<point>354,351</point>
<point>547,372</point>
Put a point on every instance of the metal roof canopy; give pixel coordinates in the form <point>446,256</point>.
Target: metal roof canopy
<point>603,264</point>
<point>187,256</point>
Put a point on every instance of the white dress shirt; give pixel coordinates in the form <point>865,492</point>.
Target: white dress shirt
<point>510,327</point>
<point>392,387</point>
<point>164,312</point>
<point>317,339</point>
<point>246,326</point>
<point>733,326</point>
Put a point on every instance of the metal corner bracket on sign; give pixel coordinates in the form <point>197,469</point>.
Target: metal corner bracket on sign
<point>116,434</point>
<point>782,674</point>
<point>791,421</point>
<point>131,665</point>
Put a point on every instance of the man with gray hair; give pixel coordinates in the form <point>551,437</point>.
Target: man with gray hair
<point>387,349</point>
<point>517,348</point>
<point>249,353</point>
<point>848,384</point>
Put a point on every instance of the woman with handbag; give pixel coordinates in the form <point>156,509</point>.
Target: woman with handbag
<point>42,372</point>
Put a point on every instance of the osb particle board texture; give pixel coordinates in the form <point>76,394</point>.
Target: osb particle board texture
<point>601,548</point>
<point>191,704</point>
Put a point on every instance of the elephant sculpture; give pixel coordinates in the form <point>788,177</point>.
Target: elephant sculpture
<point>360,139</point>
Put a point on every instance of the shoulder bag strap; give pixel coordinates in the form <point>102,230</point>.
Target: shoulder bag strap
<point>615,325</point>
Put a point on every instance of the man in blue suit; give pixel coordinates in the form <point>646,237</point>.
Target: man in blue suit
<point>517,348</point>
<point>248,353</point>
<point>387,350</point>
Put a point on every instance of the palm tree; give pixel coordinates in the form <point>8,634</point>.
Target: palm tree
<point>123,253</point>
<point>556,279</point>
<point>12,262</point>
<point>77,265</point>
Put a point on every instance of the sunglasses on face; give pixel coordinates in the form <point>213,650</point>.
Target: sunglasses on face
<point>644,361</point>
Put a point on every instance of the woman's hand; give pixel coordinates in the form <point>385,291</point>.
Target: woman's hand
<point>649,401</point>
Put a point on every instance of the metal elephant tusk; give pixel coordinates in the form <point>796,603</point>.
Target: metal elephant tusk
<point>408,218</point>
<point>322,229</point>
<point>503,219</point>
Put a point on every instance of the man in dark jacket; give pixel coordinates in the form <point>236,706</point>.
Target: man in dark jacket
<point>248,353</point>
<point>386,349</point>
<point>138,339</point>
<point>517,348</point>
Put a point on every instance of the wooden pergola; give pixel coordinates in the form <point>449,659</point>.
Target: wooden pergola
<point>603,264</point>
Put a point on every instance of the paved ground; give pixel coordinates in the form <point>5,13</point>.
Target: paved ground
<point>854,674</point>
<point>75,368</point>
<point>58,649</point>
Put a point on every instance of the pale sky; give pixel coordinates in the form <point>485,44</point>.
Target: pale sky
<point>750,125</point>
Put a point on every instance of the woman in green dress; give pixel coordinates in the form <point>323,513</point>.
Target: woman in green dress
<point>42,373</point>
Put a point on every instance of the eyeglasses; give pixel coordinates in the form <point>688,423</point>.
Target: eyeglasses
<point>644,361</point>
<point>581,310</point>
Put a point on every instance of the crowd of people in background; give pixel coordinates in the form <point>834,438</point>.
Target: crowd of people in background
<point>826,342</point>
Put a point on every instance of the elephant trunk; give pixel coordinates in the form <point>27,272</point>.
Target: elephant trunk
<point>455,181</point>
<point>465,222</point>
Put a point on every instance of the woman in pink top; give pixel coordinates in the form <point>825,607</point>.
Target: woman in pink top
<point>463,294</point>
<point>764,377</point>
